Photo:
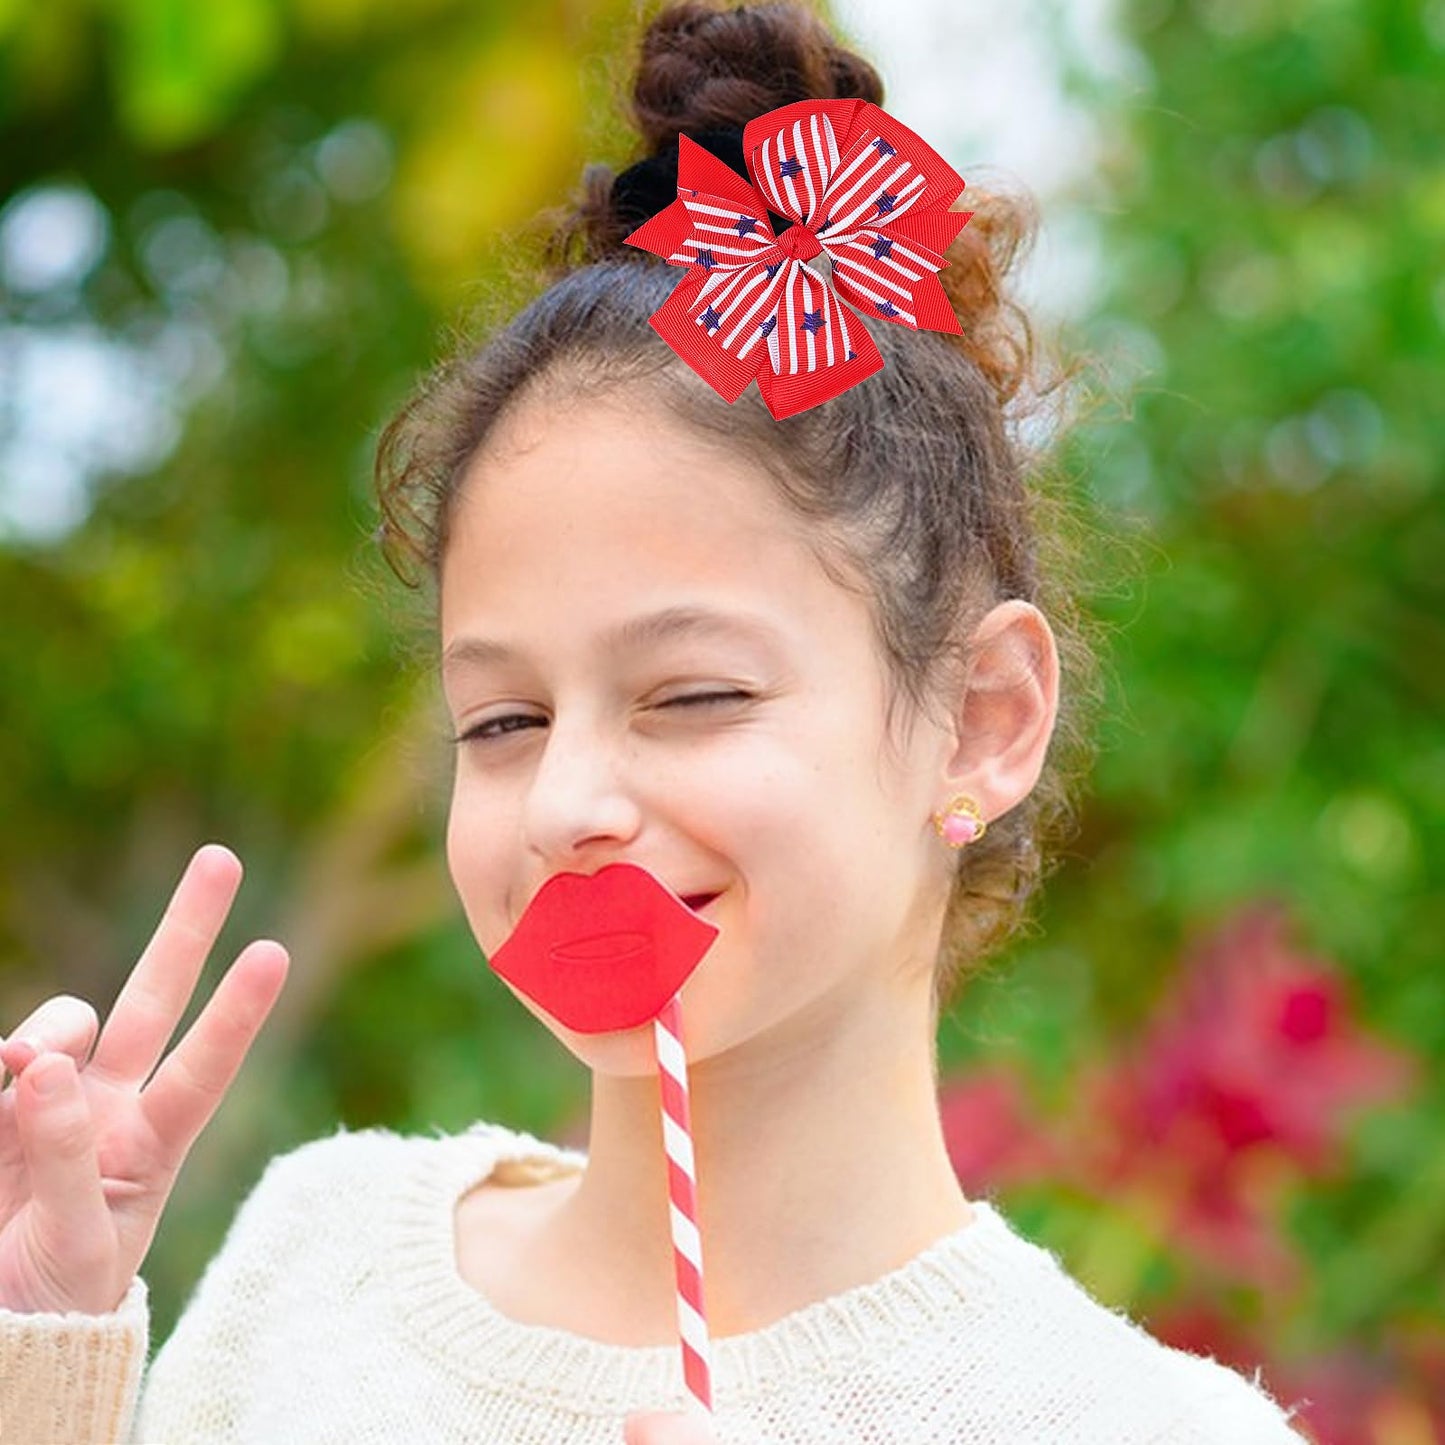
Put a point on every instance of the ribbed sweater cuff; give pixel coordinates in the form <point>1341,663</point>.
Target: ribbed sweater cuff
<point>72,1379</point>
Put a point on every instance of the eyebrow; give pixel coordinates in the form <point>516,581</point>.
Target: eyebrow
<point>637,632</point>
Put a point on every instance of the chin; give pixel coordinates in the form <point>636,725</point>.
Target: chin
<point>624,1054</point>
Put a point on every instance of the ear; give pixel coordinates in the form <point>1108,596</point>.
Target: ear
<point>1005,714</point>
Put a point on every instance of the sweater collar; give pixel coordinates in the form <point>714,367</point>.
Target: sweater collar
<point>947,1285</point>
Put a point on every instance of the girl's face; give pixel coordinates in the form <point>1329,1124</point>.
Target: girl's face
<point>648,663</point>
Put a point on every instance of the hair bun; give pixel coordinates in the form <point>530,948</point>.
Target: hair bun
<point>706,68</point>
<point>703,66</point>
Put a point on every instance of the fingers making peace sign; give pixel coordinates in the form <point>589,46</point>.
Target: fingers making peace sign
<point>91,1143</point>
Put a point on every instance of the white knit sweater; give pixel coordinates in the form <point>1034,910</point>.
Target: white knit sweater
<point>334,1312</point>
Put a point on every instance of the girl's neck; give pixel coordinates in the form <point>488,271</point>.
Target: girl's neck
<point>821,1166</point>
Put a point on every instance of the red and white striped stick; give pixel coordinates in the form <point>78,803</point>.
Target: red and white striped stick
<point>682,1203</point>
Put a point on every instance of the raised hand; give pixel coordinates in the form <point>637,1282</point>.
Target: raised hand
<point>89,1150</point>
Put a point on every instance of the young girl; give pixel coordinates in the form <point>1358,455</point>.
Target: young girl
<point>782,664</point>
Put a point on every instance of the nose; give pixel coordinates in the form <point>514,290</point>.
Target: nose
<point>578,796</point>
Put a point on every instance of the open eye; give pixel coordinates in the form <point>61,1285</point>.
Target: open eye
<point>493,728</point>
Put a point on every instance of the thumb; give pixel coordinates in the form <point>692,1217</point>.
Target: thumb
<point>667,1429</point>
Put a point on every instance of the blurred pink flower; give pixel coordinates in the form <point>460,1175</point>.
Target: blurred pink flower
<point>1244,1080</point>
<point>1256,1041</point>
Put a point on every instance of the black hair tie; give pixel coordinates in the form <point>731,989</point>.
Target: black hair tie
<point>650,186</point>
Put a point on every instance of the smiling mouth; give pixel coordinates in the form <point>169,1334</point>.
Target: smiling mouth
<point>698,901</point>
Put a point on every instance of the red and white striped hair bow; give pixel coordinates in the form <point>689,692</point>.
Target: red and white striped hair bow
<point>859,187</point>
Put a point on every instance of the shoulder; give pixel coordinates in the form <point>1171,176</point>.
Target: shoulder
<point>332,1205</point>
<point>311,1166</point>
<point>344,1153</point>
<point>326,1244</point>
<point>351,1172</point>
<point>1101,1362</point>
<point>1220,1406</point>
<point>314,1174</point>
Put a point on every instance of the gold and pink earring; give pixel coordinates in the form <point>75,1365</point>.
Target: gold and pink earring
<point>960,823</point>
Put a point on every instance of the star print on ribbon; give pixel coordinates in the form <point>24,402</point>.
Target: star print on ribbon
<point>859,187</point>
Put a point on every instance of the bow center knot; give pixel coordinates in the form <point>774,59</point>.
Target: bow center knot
<point>799,243</point>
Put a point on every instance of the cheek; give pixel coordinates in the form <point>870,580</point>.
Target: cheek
<point>773,820</point>
<point>479,861</point>
<point>745,802</point>
<point>819,845</point>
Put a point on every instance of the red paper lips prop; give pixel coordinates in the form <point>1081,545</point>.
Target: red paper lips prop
<point>608,951</point>
<point>604,951</point>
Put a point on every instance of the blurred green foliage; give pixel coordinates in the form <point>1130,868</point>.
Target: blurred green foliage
<point>1271,213</point>
<point>291,203</point>
<point>291,200</point>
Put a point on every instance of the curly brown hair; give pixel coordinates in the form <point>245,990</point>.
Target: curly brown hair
<point>919,480</point>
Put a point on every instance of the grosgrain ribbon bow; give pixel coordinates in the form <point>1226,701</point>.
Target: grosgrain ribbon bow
<point>860,188</point>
